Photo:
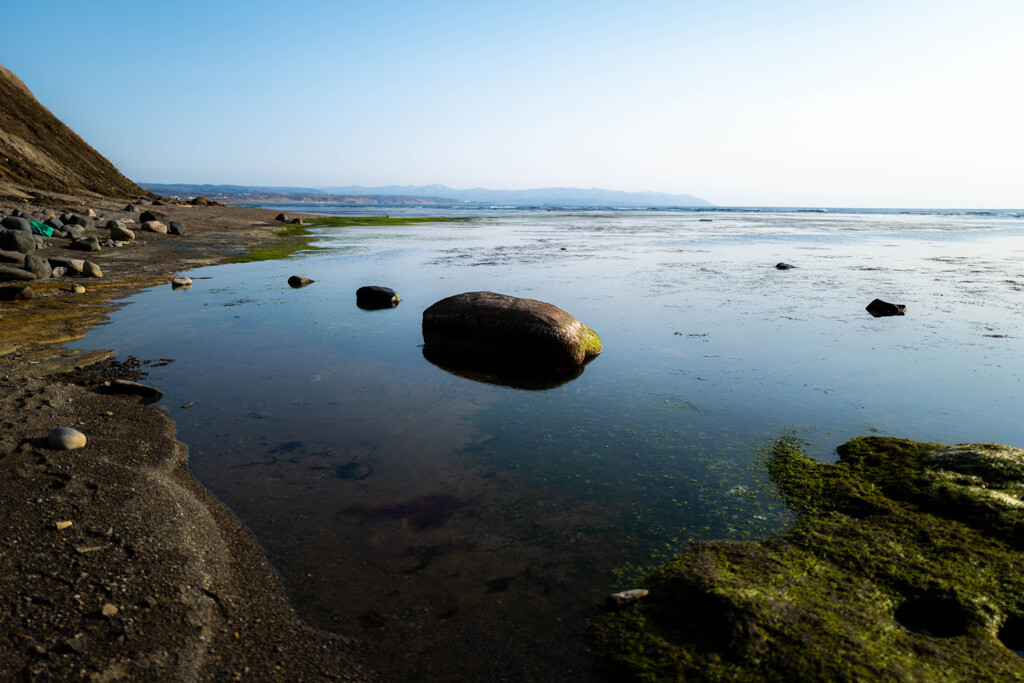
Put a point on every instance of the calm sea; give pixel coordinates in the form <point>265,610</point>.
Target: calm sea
<point>467,529</point>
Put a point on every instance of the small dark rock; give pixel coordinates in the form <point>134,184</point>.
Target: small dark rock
<point>142,202</point>
<point>176,228</point>
<point>295,221</point>
<point>373,297</point>
<point>85,222</point>
<point>151,216</point>
<point>159,202</point>
<point>879,308</point>
<point>783,266</point>
<point>147,393</point>
<point>55,223</point>
<point>297,281</point>
<point>131,209</point>
<point>16,293</point>
<point>281,218</point>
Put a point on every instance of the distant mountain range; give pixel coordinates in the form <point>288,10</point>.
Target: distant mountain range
<point>429,194</point>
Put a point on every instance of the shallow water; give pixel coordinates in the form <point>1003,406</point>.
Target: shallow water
<point>467,529</point>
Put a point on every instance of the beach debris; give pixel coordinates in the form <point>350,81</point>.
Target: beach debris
<point>297,281</point>
<point>879,308</point>
<point>181,282</point>
<point>123,386</point>
<point>61,526</point>
<point>783,266</point>
<point>375,297</point>
<point>66,439</point>
<point>624,598</point>
<point>508,330</point>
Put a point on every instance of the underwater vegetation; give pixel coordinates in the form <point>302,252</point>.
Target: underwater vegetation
<point>905,564</point>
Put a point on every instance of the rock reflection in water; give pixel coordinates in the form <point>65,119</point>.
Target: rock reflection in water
<point>512,376</point>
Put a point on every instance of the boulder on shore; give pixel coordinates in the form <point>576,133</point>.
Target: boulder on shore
<point>12,273</point>
<point>507,330</point>
<point>16,293</point>
<point>17,240</point>
<point>879,308</point>
<point>374,297</point>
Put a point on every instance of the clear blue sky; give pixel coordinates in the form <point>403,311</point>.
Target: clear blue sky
<point>740,102</point>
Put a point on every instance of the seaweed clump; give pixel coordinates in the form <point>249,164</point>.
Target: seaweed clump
<point>905,563</point>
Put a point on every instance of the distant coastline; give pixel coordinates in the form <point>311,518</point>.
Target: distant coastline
<point>428,195</point>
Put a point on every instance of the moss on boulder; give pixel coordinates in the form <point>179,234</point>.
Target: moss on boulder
<point>905,564</point>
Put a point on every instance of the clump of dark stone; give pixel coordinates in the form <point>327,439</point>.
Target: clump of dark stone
<point>879,308</point>
<point>374,297</point>
<point>783,266</point>
<point>905,564</point>
<point>16,293</point>
<point>297,281</point>
<point>176,228</point>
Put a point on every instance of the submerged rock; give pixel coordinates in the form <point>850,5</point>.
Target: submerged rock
<point>507,330</point>
<point>902,565</point>
<point>181,282</point>
<point>16,293</point>
<point>297,281</point>
<point>374,297</point>
<point>879,308</point>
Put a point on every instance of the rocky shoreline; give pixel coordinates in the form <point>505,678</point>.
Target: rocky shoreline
<point>116,564</point>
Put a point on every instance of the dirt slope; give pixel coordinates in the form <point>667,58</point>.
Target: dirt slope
<point>40,156</point>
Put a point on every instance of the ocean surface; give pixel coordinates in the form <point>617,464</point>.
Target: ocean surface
<point>467,529</point>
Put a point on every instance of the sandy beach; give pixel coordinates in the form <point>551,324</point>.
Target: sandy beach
<point>117,564</point>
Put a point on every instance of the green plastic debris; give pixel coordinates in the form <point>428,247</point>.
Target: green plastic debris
<point>42,229</point>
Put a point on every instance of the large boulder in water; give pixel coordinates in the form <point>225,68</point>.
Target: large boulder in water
<point>879,308</point>
<point>374,297</point>
<point>507,330</point>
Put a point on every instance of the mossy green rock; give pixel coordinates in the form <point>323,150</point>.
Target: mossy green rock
<point>905,564</point>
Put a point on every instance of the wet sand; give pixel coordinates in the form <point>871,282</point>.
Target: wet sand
<point>153,579</point>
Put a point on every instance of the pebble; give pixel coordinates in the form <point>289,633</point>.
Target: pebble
<point>623,598</point>
<point>78,289</point>
<point>66,439</point>
<point>109,610</point>
<point>61,526</point>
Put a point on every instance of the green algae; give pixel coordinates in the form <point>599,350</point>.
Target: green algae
<point>298,238</point>
<point>893,571</point>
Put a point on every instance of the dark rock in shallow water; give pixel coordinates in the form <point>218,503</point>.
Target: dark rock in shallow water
<point>508,331</point>
<point>17,240</point>
<point>16,293</point>
<point>176,228</point>
<point>783,266</point>
<point>297,281</point>
<point>17,223</point>
<point>374,297</point>
<point>281,218</point>
<point>296,221</point>
<point>148,394</point>
<point>879,308</point>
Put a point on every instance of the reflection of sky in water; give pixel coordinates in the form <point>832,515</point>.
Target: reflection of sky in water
<point>709,352</point>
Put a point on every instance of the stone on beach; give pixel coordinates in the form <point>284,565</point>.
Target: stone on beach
<point>17,223</point>
<point>119,232</point>
<point>90,269</point>
<point>176,228</point>
<point>154,226</point>
<point>38,266</point>
<point>147,393</point>
<point>12,256</point>
<point>374,297</point>
<point>66,439</point>
<point>11,273</point>
<point>879,308</point>
<point>181,282</point>
<point>508,330</point>
<point>17,240</point>
<point>71,265</point>
<point>87,244</point>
